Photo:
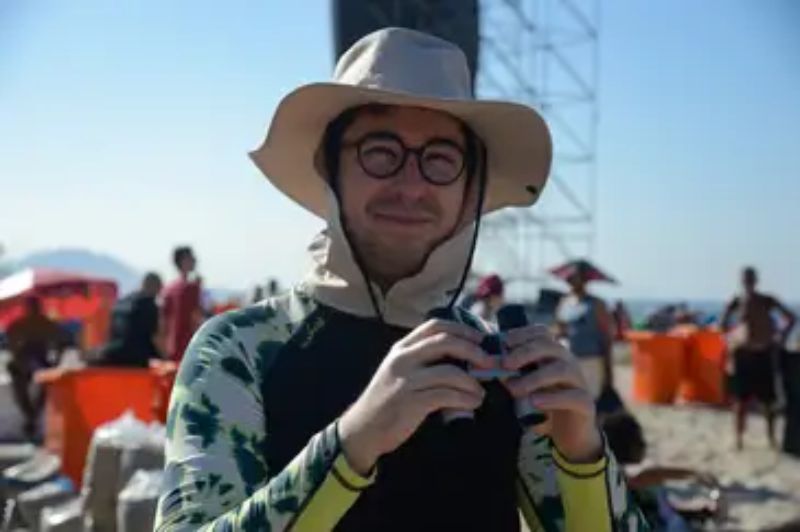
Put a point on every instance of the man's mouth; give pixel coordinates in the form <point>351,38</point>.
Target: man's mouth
<point>404,218</point>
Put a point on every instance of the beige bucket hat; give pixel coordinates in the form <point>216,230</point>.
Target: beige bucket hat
<point>397,66</point>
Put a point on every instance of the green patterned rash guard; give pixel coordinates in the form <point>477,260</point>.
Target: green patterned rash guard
<point>253,444</point>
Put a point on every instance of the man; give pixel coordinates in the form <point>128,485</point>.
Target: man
<point>758,338</point>
<point>622,321</point>
<point>182,311</point>
<point>31,338</point>
<point>134,327</point>
<point>321,408</point>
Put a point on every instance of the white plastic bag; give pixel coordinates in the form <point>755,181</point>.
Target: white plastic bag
<point>146,453</point>
<point>32,502</point>
<point>117,450</point>
<point>66,517</point>
<point>137,502</point>
<point>11,455</point>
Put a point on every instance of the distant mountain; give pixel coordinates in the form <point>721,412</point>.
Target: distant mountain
<point>84,261</point>
<point>100,265</point>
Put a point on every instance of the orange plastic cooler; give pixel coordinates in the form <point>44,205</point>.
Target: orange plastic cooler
<point>164,373</point>
<point>78,401</point>
<point>704,381</point>
<point>658,366</point>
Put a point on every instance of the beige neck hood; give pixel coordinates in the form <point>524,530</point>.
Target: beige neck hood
<point>337,281</point>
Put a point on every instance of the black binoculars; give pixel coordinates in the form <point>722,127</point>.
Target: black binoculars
<point>508,317</point>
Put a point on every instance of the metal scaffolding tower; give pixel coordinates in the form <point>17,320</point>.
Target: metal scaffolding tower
<point>544,53</point>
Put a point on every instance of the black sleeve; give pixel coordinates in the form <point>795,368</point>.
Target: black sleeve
<point>147,314</point>
<point>144,318</point>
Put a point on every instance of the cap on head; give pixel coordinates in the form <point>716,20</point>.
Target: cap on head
<point>491,285</point>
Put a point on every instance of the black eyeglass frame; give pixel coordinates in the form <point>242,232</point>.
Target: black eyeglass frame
<point>419,151</point>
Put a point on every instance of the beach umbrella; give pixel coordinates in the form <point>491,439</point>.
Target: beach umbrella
<point>65,295</point>
<point>589,271</point>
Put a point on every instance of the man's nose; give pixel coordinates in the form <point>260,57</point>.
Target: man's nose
<point>410,177</point>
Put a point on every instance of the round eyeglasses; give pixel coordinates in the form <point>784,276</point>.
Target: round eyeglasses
<point>382,154</point>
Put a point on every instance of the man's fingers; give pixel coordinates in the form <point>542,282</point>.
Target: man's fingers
<point>433,327</point>
<point>534,352</point>
<point>556,374</point>
<point>447,376</point>
<point>517,337</point>
<point>444,345</point>
<point>575,400</point>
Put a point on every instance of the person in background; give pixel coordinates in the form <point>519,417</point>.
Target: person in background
<point>646,480</point>
<point>134,327</point>
<point>685,316</point>
<point>488,297</point>
<point>622,320</point>
<point>626,439</point>
<point>273,288</point>
<point>663,319</point>
<point>181,311</point>
<point>583,320</point>
<point>262,291</point>
<point>754,357</point>
<point>31,338</point>
<point>257,294</point>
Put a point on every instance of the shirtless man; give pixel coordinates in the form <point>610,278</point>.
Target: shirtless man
<point>754,357</point>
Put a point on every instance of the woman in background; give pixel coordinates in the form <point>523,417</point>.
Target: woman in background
<point>585,323</point>
<point>488,297</point>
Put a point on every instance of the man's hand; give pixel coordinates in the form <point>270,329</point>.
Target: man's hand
<point>408,386</point>
<point>556,387</point>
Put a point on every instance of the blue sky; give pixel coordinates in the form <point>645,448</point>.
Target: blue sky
<point>124,128</point>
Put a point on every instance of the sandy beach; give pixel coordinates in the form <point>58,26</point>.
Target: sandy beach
<point>761,486</point>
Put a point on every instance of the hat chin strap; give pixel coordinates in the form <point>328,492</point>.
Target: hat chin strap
<point>359,260</point>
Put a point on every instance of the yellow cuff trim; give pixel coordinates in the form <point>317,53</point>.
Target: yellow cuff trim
<point>579,470</point>
<point>326,507</point>
<point>348,478</point>
<point>586,502</point>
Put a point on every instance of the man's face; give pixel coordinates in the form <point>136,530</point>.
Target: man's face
<point>188,263</point>
<point>577,282</point>
<point>749,280</point>
<point>495,302</point>
<point>396,221</point>
<point>152,286</point>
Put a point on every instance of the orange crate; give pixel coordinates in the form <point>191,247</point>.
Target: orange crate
<point>658,365</point>
<point>164,373</point>
<point>79,401</point>
<point>704,380</point>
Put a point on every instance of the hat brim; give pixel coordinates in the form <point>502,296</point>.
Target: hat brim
<point>517,141</point>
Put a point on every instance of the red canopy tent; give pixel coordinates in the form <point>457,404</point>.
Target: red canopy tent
<point>65,296</point>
